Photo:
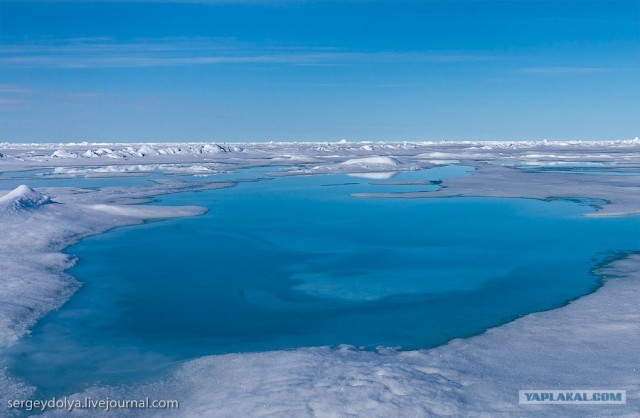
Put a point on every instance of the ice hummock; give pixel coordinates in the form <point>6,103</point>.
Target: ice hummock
<point>22,198</point>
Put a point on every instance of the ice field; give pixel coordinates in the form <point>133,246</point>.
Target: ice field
<point>321,279</point>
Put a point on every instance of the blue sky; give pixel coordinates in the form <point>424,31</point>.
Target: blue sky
<point>319,70</point>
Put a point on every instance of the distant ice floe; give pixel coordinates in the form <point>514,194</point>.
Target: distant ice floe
<point>373,167</point>
<point>372,162</point>
<point>147,150</point>
<point>306,152</point>
<point>137,168</point>
<point>620,194</point>
<point>64,154</point>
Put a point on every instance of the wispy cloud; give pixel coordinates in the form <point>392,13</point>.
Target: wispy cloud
<point>12,89</point>
<point>12,103</point>
<point>172,52</point>
<point>8,101</point>
<point>565,70</point>
<point>13,97</point>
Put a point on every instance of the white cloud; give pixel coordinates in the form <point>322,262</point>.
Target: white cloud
<point>565,70</point>
<point>168,52</point>
<point>12,89</point>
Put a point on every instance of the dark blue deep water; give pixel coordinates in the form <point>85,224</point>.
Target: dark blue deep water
<point>292,262</point>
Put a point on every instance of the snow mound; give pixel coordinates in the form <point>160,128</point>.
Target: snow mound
<point>372,162</point>
<point>22,198</point>
<point>64,154</point>
<point>148,212</point>
<point>383,175</point>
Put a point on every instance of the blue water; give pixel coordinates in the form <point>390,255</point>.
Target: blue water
<point>295,261</point>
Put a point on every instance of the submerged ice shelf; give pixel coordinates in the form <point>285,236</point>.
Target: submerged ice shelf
<point>432,382</point>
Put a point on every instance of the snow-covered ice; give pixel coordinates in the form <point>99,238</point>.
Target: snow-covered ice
<point>380,175</point>
<point>21,199</point>
<point>591,343</point>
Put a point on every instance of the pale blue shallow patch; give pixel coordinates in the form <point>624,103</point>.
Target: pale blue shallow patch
<point>46,178</point>
<point>290,262</point>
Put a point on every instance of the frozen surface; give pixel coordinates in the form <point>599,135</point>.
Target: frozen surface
<point>368,154</point>
<point>591,343</point>
<point>619,195</point>
<point>21,199</point>
<point>501,167</point>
